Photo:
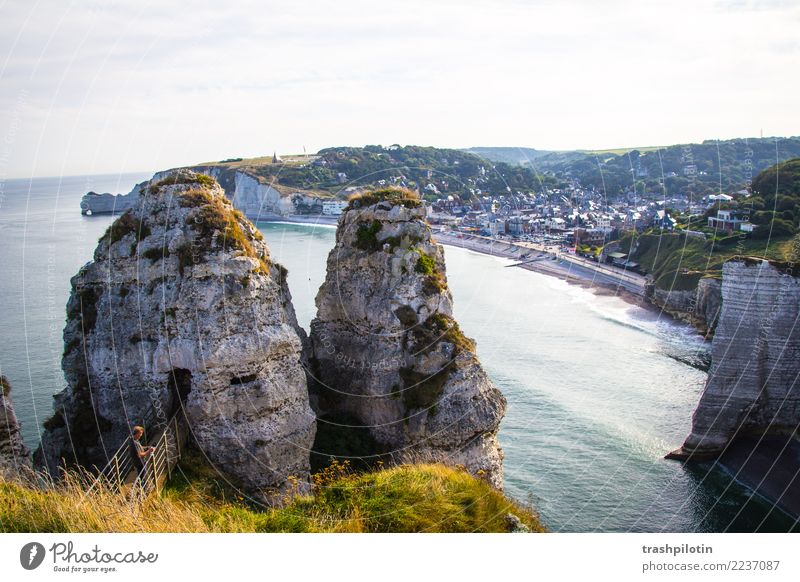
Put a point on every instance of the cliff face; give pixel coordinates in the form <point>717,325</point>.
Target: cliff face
<point>245,191</point>
<point>699,307</point>
<point>182,306</point>
<point>755,359</point>
<point>388,358</point>
<point>15,458</point>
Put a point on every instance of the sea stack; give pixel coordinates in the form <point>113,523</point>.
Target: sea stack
<point>15,458</point>
<point>752,386</point>
<point>391,368</point>
<point>183,309</point>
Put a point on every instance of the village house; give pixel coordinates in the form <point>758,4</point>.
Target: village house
<point>729,221</point>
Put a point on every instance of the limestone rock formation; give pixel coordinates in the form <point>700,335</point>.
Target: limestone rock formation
<point>248,194</point>
<point>182,306</point>
<point>755,359</point>
<point>699,307</point>
<point>388,357</point>
<point>14,455</point>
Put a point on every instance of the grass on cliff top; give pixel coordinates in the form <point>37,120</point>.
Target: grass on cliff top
<point>409,498</point>
<point>391,194</point>
<point>222,225</point>
<point>184,178</point>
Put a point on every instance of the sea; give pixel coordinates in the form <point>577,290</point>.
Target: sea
<point>598,389</point>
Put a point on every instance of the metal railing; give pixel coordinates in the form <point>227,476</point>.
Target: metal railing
<point>121,469</point>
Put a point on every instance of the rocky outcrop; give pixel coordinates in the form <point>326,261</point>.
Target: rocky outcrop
<point>15,457</point>
<point>389,361</point>
<point>251,196</point>
<point>755,359</point>
<point>699,307</point>
<point>106,203</point>
<point>182,308</point>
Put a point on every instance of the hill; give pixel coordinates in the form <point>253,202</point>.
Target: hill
<point>434,172</point>
<point>678,170</point>
<point>693,169</point>
<point>678,262</point>
<point>507,155</point>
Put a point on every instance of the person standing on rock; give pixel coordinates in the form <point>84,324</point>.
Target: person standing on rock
<point>139,453</point>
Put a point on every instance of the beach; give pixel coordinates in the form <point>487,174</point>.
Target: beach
<point>602,279</point>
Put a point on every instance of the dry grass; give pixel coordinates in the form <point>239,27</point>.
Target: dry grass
<point>408,498</point>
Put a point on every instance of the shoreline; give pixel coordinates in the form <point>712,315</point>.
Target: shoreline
<point>600,279</point>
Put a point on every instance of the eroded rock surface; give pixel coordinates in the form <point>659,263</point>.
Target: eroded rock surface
<point>752,385</point>
<point>182,306</point>
<point>388,357</point>
<point>15,458</point>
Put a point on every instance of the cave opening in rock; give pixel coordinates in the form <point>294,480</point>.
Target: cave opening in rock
<point>180,384</point>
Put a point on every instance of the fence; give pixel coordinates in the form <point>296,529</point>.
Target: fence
<point>121,470</point>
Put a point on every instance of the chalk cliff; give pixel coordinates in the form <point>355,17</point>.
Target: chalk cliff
<point>388,358</point>
<point>182,308</point>
<point>753,384</point>
<point>254,198</point>
<point>15,458</point>
<point>699,307</point>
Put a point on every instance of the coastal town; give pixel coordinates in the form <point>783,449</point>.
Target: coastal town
<point>574,227</point>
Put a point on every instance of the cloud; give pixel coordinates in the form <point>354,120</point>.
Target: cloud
<point>104,87</point>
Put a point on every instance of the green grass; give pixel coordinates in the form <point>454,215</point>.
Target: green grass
<point>678,263</point>
<point>407,498</point>
<point>367,236</point>
<point>434,280</point>
<point>394,195</point>
<point>184,178</point>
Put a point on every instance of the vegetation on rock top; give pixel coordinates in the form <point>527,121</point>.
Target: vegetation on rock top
<point>394,195</point>
<point>125,225</point>
<point>220,225</point>
<point>184,177</point>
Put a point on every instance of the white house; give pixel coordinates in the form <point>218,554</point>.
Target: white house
<point>333,207</point>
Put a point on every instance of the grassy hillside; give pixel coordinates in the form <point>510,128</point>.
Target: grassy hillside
<point>696,169</point>
<point>411,498</point>
<point>677,262</point>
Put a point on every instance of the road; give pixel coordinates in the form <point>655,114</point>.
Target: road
<point>566,264</point>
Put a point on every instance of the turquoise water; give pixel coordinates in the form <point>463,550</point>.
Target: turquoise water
<point>595,398</point>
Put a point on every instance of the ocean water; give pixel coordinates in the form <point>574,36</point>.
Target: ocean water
<point>595,393</point>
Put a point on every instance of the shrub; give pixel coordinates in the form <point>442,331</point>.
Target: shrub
<point>425,265</point>
<point>184,178</point>
<point>125,225</point>
<point>434,281</point>
<point>155,253</point>
<point>220,226</point>
<point>367,236</point>
<point>393,195</point>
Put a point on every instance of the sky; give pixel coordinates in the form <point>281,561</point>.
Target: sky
<point>90,87</point>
